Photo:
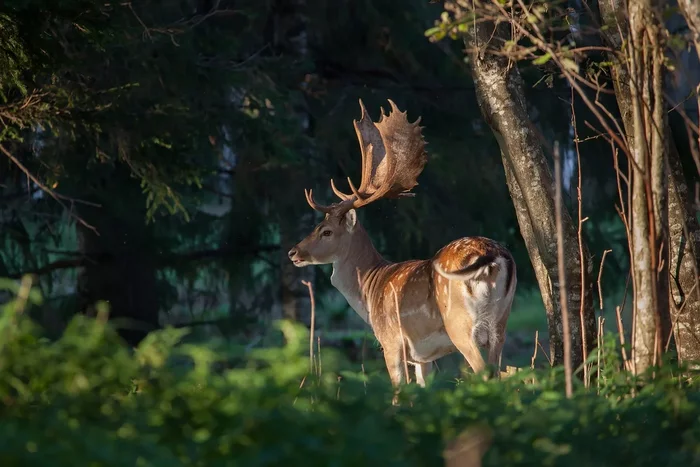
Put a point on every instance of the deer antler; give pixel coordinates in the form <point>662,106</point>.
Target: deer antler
<point>393,156</point>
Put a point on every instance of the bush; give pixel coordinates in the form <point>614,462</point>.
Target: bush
<point>86,399</point>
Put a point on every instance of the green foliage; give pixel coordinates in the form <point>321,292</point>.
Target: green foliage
<point>86,396</point>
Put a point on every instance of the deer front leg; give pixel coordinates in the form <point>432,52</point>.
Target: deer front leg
<point>393,357</point>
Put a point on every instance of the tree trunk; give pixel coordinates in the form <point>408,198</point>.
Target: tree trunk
<point>649,210</point>
<point>550,300</point>
<point>499,89</point>
<point>685,238</point>
<point>684,232</point>
<point>691,11</point>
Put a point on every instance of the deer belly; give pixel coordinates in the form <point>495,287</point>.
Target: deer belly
<point>430,347</point>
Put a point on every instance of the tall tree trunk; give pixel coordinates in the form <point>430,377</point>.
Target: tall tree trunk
<point>691,11</point>
<point>683,232</point>
<point>649,210</point>
<point>686,286</point>
<point>684,235</point>
<point>500,94</point>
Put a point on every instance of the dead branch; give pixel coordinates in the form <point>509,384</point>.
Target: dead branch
<point>563,297</point>
<point>600,276</point>
<point>162,261</point>
<point>582,259</point>
<point>313,323</point>
<point>60,199</point>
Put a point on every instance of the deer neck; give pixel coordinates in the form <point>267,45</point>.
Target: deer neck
<point>353,272</point>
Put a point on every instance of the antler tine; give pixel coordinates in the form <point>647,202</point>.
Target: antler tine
<point>317,207</point>
<point>339,193</point>
<point>354,190</point>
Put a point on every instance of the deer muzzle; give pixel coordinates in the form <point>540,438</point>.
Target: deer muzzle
<point>297,257</point>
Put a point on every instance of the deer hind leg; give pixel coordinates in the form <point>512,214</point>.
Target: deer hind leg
<point>459,325</point>
<point>498,338</point>
<point>458,330</point>
<point>496,342</point>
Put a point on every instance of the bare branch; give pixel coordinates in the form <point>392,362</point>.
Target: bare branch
<point>313,323</point>
<point>56,196</point>
<point>563,297</point>
<point>582,258</point>
<point>600,276</point>
<point>162,261</point>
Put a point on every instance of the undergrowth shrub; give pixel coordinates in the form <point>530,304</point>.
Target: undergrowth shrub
<point>86,399</point>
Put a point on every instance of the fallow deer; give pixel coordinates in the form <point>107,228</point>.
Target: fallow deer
<point>459,300</point>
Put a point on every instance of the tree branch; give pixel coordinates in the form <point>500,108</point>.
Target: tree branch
<point>57,196</point>
<point>161,262</point>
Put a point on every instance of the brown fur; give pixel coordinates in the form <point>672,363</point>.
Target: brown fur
<point>435,320</point>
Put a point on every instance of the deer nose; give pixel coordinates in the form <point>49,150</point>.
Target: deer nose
<point>292,252</point>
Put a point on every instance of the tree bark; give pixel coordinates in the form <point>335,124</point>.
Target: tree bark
<point>684,235</point>
<point>691,11</point>
<point>649,210</point>
<point>556,343</point>
<point>500,94</point>
<point>684,231</point>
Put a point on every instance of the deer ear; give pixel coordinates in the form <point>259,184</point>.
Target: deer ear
<point>350,220</point>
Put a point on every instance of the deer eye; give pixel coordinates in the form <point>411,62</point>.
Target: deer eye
<point>326,233</point>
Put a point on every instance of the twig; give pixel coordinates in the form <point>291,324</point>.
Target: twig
<point>572,78</point>
<point>549,360</point>
<point>678,314</point>
<point>403,343</point>
<point>621,332</point>
<point>301,385</point>
<point>534,354</point>
<point>582,259</point>
<point>56,196</point>
<point>601,339</point>
<point>146,32</point>
<point>320,364</point>
<point>364,377</point>
<point>600,276</point>
<point>600,344</point>
<point>563,298</point>
<point>313,321</point>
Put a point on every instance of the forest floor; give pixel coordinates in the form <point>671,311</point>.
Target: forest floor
<point>528,321</point>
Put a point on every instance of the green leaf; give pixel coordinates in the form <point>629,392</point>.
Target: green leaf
<point>570,64</point>
<point>542,59</point>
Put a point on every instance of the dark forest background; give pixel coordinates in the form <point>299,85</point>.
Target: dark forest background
<point>155,155</point>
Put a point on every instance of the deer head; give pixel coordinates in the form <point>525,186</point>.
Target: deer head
<point>393,155</point>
